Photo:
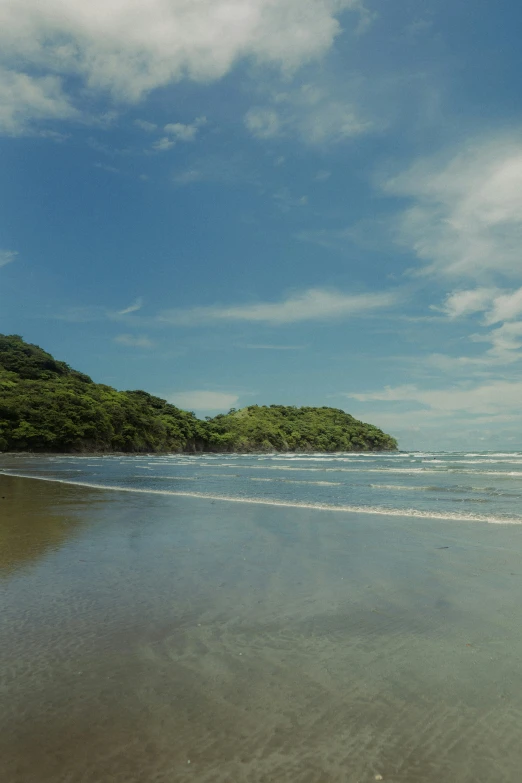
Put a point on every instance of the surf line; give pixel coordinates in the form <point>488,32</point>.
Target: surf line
<point>376,510</point>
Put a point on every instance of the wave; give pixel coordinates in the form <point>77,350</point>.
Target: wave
<point>159,478</point>
<point>407,488</point>
<point>457,489</point>
<point>423,459</point>
<point>492,454</point>
<point>311,458</point>
<point>296,481</point>
<point>374,510</point>
<point>407,471</point>
<point>456,461</point>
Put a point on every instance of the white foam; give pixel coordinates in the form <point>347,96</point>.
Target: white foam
<point>297,481</point>
<point>406,488</point>
<point>408,471</point>
<point>375,510</point>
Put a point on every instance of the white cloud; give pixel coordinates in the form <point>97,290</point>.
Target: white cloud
<point>182,132</point>
<point>263,123</point>
<point>86,313</point>
<point>177,131</point>
<point>46,133</point>
<point>459,303</point>
<point>149,127</point>
<point>133,308</point>
<point>496,304</point>
<point>506,342</point>
<point>203,400</point>
<point>163,144</point>
<point>312,305</point>
<point>322,175</point>
<point>7,256</point>
<point>25,98</point>
<point>461,364</point>
<point>133,341</point>
<point>314,113</point>
<point>437,430</point>
<point>128,48</point>
<point>505,307</point>
<point>466,217</point>
<point>490,398</point>
<point>189,176</point>
<point>496,307</point>
<point>105,149</point>
<point>466,223</point>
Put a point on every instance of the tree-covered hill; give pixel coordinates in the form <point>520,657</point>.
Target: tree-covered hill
<point>47,406</point>
<point>287,428</point>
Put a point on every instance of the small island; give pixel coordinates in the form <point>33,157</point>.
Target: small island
<point>46,406</point>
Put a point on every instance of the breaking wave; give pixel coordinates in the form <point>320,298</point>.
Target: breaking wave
<point>351,509</point>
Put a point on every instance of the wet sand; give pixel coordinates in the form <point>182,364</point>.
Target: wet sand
<point>147,639</point>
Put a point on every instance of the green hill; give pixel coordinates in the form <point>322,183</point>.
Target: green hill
<point>287,428</point>
<point>47,406</point>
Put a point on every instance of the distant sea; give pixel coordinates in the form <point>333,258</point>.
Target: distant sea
<point>297,618</point>
<point>473,486</point>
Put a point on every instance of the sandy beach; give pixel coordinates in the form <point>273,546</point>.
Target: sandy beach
<point>151,639</point>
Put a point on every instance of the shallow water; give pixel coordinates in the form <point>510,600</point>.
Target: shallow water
<point>153,638</point>
<point>483,486</point>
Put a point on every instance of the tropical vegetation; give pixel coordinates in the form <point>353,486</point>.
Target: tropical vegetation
<point>45,406</point>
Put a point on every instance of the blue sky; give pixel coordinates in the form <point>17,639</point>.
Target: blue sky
<point>309,202</point>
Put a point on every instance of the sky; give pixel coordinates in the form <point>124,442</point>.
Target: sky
<point>298,202</point>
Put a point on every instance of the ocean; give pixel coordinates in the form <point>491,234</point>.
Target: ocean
<point>475,486</point>
<point>302,618</point>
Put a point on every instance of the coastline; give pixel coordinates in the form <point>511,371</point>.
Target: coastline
<point>257,501</point>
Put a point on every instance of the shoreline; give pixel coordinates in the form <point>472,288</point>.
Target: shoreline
<point>368,510</point>
<point>195,452</point>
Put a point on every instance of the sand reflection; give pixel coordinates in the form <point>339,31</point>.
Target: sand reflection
<point>163,640</point>
<point>35,519</point>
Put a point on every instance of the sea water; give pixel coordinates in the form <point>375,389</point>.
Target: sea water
<point>482,486</point>
<point>349,627</point>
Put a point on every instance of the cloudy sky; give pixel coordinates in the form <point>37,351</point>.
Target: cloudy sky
<point>309,202</point>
